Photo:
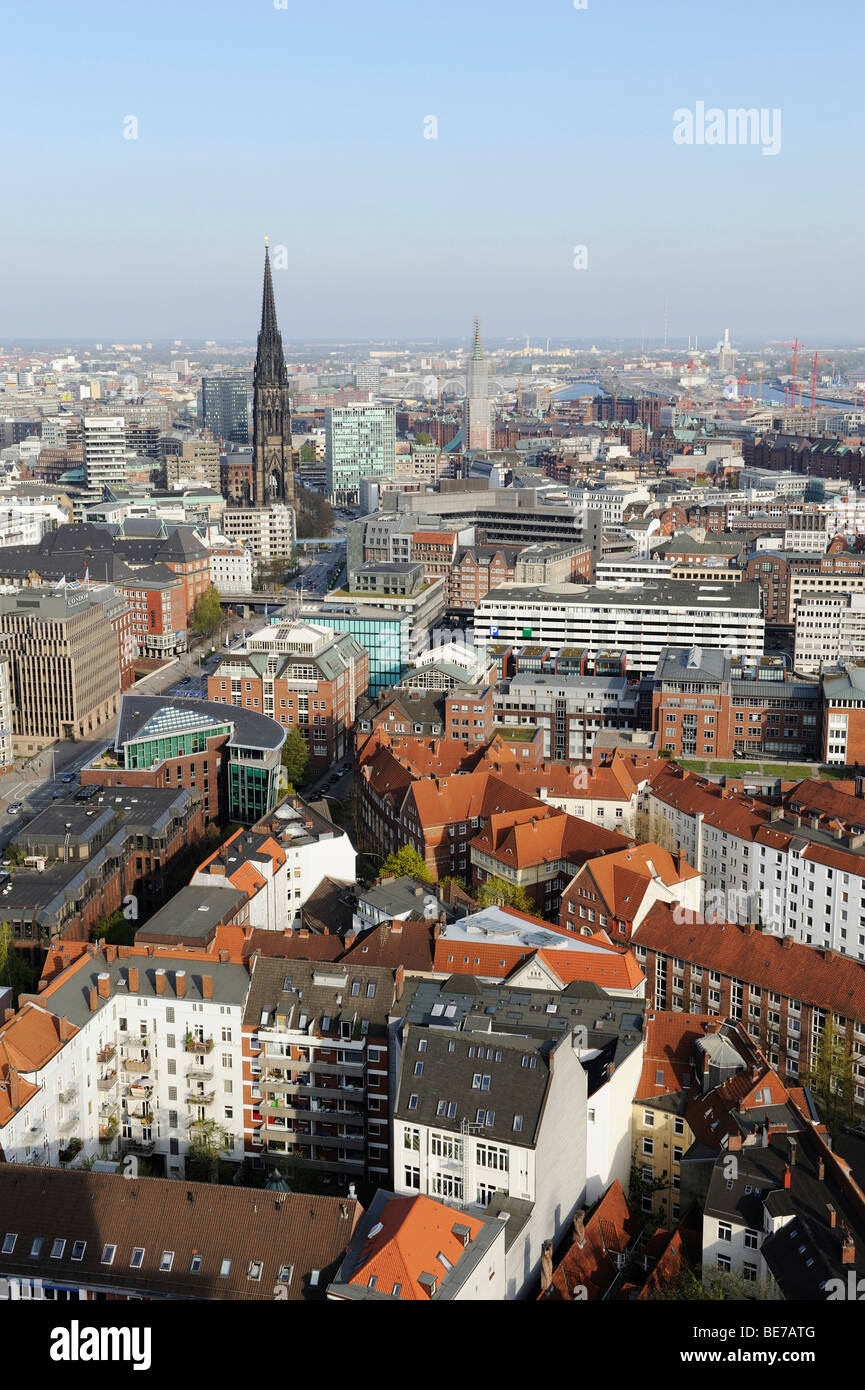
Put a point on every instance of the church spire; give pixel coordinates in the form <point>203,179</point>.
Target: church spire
<point>268,307</point>
<point>272,460</point>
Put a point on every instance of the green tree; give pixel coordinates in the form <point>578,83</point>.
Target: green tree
<point>114,930</point>
<point>209,1140</point>
<point>406,863</point>
<point>307,453</point>
<point>14,970</point>
<point>314,514</point>
<point>496,892</point>
<point>295,755</point>
<point>208,614</point>
<point>422,438</point>
<point>688,1287</point>
<point>14,854</point>
<point>831,1078</point>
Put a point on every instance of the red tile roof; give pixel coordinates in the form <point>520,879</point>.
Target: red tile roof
<point>829,980</point>
<point>611,1229</point>
<point>414,1231</point>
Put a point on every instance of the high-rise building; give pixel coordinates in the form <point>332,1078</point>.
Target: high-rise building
<point>477,425</point>
<point>272,460</point>
<point>224,408</point>
<point>360,442</point>
<point>65,660</point>
<point>105,451</point>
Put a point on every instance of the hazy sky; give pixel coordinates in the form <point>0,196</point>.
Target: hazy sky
<point>555,130</point>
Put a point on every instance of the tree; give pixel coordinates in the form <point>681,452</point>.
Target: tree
<point>208,613</point>
<point>307,453</point>
<point>406,863</point>
<point>496,892</point>
<point>422,438</point>
<point>14,970</point>
<point>831,1078</point>
<point>210,1139</point>
<point>314,514</point>
<point>115,930</point>
<point>688,1287</point>
<point>14,854</point>
<point>295,755</point>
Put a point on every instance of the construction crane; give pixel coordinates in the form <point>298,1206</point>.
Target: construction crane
<point>795,345</point>
<point>813,408</point>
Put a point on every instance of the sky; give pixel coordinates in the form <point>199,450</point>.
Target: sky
<point>313,122</point>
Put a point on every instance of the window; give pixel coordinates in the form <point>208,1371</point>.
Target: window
<point>9,1242</point>
<point>225,1268</point>
<point>254,1270</point>
<point>285,1273</point>
<point>137,1259</point>
<point>57,1248</point>
<point>108,1253</point>
<point>751,1239</point>
<point>649,1118</point>
<point>412,1178</point>
<point>749,1273</point>
<point>518,1123</point>
<point>36,1247</point>
<point>412,1102</point>
<point>167,1260</point>
<point>195,1264</point>
<point>725,1230</point>
<point>648,1147</point>
<point>678,1125</point>
<point>78,1249</point>
<point>725,1264</point>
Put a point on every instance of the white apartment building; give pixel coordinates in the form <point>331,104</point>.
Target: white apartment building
<point>230,567</point>
<point>829,628</point>
<point>129,1049</point>
<point>612,501</point>
<point>808,885</point>
<point>495,1124</point>
<point>268,533</point>
<point>640,619</point>
<point>105,451</point>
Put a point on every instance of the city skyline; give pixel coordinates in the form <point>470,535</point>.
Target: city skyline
<point>581,212</point>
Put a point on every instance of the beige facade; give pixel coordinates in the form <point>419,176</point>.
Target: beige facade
<point>198,462</point>
<point>661,1136</point>
<point>64,662</point>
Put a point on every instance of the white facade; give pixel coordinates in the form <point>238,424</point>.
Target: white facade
<point>612,501</point>
<point>640,620</point>
<point>829,629</point>
<point>465,1168</point>
<point>78,1092</point>
<point>105,451</point>
<point>269,533</point>
<point>230,568</point>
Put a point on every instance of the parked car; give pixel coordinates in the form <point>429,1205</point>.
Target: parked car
<point>14,807</point>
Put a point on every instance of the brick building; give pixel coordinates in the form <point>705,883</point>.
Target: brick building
<point>781,991</point>
<point>302,675</point>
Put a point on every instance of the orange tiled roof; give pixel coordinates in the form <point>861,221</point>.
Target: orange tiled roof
<point>610,1230</point>
<point>622,878</point>
<point>828,980</point>
<point>27,1042</point>
<point>414,1230</point>
<point>670,1038</point>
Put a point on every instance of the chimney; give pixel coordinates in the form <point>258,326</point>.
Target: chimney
<point>831,1216</point>
<point>110,953</point>
<point>92,999</point>
<point>848,1248</point>
<point>579,1228</point>
<point>7,1014</point>
<point>788,1175</point>
<point>207,986</point>
<point>787,942</point>
<point>132,980</point>
<point>223,957</point>
<point>681,862</point>
<point>103,984</point>
<point>792,1149</point>
<point>821,1170</point>
<point>66,1030</point>
<point>43,984</point>
<point>159,980</point>
<point>180,983</point>
<point>749,929</point>
<point>14,1088</point>
<point>734,1143</point>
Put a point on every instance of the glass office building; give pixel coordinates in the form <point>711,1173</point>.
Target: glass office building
<point>225,408</point>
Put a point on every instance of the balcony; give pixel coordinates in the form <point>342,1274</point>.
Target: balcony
<point>199,1074</point>
<point>65,1097</point>
<point>69,1123</point>
<point>137,1066</point>
<point>138,1146</point>
<point>135,1040</point>
<point>139,1092</point>
<point>200,1098</point>
<point>107,1082</point>
<point>143,1116</point>
<point>197,1045</point>
<point>72,1150</point>
<point>106,1053</point>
